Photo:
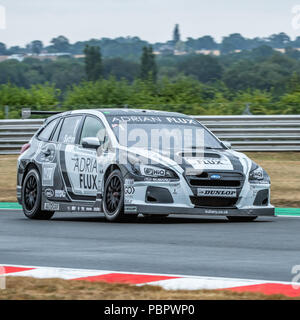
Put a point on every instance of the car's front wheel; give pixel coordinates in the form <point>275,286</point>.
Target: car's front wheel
<point>241,219</point>
<point>32,197</point>
<point>113,198</point>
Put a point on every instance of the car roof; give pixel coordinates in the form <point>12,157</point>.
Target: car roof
<point>139,112</point>
<point>122,112</point>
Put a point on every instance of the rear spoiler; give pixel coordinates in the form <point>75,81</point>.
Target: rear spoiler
<point>27,113</point>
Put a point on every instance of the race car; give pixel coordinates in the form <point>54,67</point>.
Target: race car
<point>126,162</point>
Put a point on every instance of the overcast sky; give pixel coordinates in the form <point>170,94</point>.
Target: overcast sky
<point>152,20</point>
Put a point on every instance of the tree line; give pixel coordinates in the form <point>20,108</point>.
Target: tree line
<point>132,47</point>
<point>267,80</point>
<point>261,68</point>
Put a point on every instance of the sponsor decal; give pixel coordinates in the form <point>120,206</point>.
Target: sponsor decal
<point>226,193</point>
<point>46,153</point>
<point>153,171</point>
<point>51,206</point>
<point>259,182</point>
<point>88,181</point>
<point>215,177</point>
<point>211,211</point>
<point>136,119</point>
<point>87,170</point>
<point>157,179</point>
<point>88,165</point>
<point>130,209</point>
<point>151,119</point>
<point>60,193</point>
<point>175,187</point>
<point>129,191</point>
<point>222,163</point>
<point>181,120</point>
<point>129,182</point>
<point>47,174</point>
<point>49,193</point>
<point>174,191</point>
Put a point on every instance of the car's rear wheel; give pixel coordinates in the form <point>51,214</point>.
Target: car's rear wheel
<point>32,197</point>
<point>241,219</point>
<point>113,198</point>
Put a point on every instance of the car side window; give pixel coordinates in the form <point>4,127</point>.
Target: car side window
<point>57,130</point>
<point>47,131</point>
<point>69,129</point>
<point>92,127</point>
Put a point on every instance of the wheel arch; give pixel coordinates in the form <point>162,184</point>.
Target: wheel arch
<point>29,166</point>
<point>109,170</point>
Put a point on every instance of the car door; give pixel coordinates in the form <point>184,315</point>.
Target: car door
<point>68,155</point>
<point>87,165</point>
<point>81,167</point>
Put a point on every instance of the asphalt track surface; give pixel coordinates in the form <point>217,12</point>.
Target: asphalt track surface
<point>203,246</point>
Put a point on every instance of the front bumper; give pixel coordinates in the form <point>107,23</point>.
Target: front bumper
<point>249,212</point>
<point>181,193</point>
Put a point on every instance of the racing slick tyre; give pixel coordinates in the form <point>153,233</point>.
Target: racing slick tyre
<point>32,197</point>
<point>241,219</point>
<point>113,199</point>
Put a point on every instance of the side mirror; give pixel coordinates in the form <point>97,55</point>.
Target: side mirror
<point>91,143</point>
<point>227,144</point>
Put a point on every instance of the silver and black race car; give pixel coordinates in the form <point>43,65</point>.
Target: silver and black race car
<point>125,162</point>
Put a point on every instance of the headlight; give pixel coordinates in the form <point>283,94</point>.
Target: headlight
<point>140,167</point>
<point>258,174</point>
<point>152,171</point>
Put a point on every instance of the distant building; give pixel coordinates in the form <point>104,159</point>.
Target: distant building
<point>180,53</point>
<point>41,56</point>
<point>3,58</point>
<point>50,56</point>
<point>208,52</point>
<point>79,56</point>
<point>20,57</point>
<point>280,50</point>
<point>166,49</point>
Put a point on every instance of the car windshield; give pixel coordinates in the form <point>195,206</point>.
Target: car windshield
<point>157,132</point>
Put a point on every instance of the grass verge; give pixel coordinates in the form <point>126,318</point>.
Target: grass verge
<point>25,288</point>
<point>8,178</point>
<point>283,167</point>
<point>284,170</point>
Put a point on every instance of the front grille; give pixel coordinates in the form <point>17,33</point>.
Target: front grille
<point>213,202</point>
<point>228,179</point>
<point>215,183</point>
